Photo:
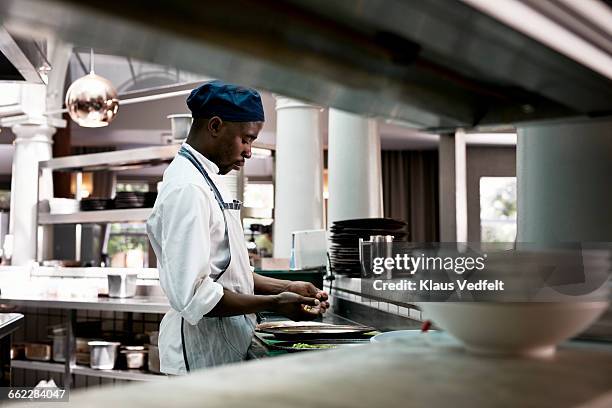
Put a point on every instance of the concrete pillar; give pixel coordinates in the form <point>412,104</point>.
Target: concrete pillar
<point>354,167</point>
<point>299,172</point>
<point>453,187</point>
<point>563,176</point>
<point>32,144</point>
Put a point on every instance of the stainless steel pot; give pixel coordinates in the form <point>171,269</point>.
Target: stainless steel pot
<point>122,285</point>
<point>134,356</point>
<point>103,354</point>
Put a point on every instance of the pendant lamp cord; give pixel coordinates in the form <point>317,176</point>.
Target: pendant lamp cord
<point>91,61</point>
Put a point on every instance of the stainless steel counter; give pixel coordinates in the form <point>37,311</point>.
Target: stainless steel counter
<point>138,304</point>
<point>382,375</point>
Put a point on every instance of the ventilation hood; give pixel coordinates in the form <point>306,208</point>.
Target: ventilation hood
<point>436,64</point>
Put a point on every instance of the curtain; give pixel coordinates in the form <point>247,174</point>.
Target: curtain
<point>410,191</point>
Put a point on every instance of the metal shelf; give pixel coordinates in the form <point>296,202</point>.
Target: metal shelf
<point>131,375</point>
<point>117,160</point>
<point>38,365</point>
<point>102,216</point>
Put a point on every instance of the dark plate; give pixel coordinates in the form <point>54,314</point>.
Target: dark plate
<point>369,223</point>
<point>318,332</point>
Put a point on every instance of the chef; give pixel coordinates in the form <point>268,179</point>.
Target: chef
<point>196,233</point>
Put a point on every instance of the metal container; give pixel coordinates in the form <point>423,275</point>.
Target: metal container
<point>58,348</point>
<point>154,359</point>
<point>38,351</point>
<point>103,354</point>
<point>122,285</point>
<point>180,124</point>
<point>154,337</point>
<point>134,356</point>
<point>18,351</point>
<point>59,342</point>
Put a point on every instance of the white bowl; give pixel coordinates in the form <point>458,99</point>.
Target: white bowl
<point>522,329</point>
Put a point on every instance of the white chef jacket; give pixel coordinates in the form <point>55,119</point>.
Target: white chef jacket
<point>186,229</point>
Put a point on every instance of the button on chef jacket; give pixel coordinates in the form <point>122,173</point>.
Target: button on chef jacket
<point>186,229</point>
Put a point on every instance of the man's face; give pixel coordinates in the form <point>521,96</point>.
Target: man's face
<point>234,142</point>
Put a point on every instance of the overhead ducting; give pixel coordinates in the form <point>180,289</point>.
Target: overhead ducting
<point>437,64</point>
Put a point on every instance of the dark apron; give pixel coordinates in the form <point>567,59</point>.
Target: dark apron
<point>224,264</point>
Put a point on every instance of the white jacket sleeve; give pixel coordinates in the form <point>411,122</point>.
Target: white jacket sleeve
<point>185,277</point>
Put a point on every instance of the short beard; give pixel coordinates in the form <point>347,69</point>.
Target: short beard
<point>224,171</point>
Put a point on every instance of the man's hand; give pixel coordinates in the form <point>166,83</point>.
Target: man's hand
<point>297,307</point>
<point>309,290</point>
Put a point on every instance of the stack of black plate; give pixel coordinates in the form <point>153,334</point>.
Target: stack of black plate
<point>344,249</point>
<point>130,199</point>
<point>95,204</point>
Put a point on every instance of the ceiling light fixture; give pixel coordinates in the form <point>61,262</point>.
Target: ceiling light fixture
<point>92,100</point>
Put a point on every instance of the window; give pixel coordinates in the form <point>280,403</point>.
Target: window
<point>498,209</point>
<point>128,244</point>
<point>5,200</point>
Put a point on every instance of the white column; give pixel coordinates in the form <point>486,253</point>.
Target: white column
<point>354,167</point>
<point>452,165</point>
<point>563,174</point>
<point>32,144</point>
<point>299,172</point>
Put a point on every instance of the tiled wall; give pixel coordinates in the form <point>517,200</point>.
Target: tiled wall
<point>36,329</point>
<point>349,289</point>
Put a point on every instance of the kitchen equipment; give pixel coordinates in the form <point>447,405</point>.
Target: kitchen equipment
<point>180,123</point>
<point>103,354</point>
<point>83,356</point>
<point>38,351</point>
<point>58,348</point>
<point>153,363</point>
<point>95,204</point>
<point>154,337</point>
<point>58,206</point>
<point>318,332</point>
<point>18,351</point>
<point>59,342</point>
<point>122,285</point>
<point>134,356</point>
<point>61,263</point>
<point>130,199</point>
<point>287,323</point>
<point>308,249</point>
<point>315,345</point>
<point>344,241</point>
<point>513,328</point>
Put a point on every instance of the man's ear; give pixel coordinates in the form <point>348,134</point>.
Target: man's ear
<point>214,125</point>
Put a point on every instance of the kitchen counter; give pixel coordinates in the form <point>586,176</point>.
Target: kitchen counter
<point>137,304</point>
<point>383,374</point>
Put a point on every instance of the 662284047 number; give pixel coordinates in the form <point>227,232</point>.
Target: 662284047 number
<point>53,394</point>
